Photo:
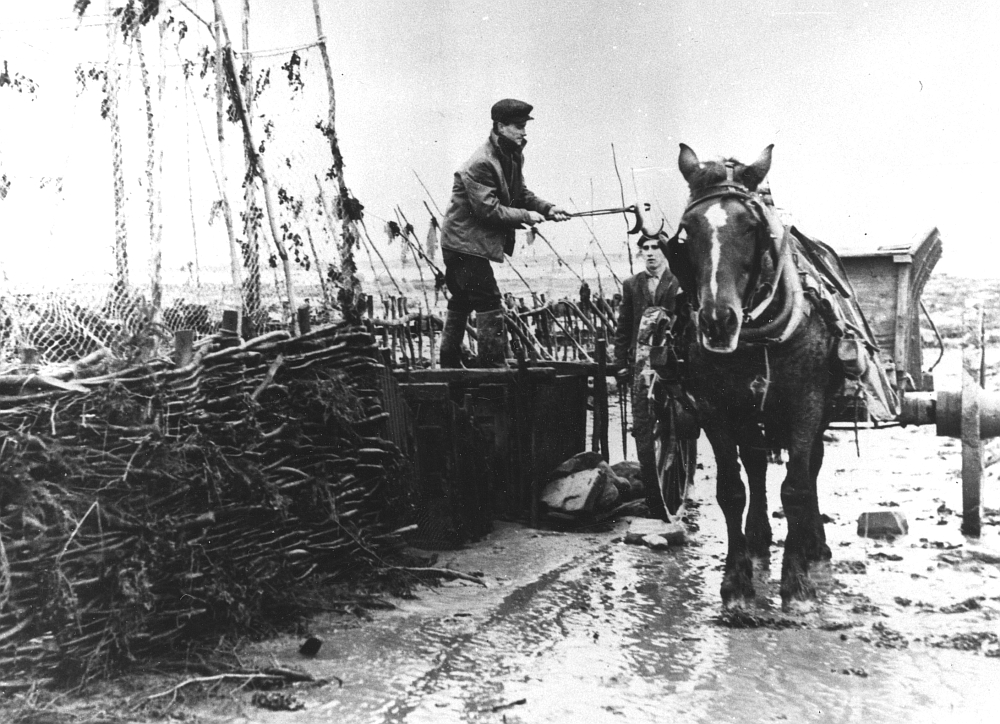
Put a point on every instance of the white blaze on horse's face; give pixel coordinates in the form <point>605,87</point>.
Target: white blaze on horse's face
<point>716,232</point>
<point>716,217</point>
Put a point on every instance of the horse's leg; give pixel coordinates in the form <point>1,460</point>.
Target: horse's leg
<point>758,526</point>
<point>737,581</point>
<point>821,551</point>
<point>798,496</point>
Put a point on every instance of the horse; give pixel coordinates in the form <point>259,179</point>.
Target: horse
<point>763,369</point>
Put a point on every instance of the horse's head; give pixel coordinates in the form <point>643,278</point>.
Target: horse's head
<point>721,254</point>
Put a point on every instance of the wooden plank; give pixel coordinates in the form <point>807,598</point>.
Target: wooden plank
<point>972,445</point>
<point>424,391</point>
<point>601,399</point>
<point>901,341</point>
<point>874,282</point>
<point>474,376</point>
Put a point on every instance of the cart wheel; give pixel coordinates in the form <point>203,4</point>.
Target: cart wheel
<point>675,465</point>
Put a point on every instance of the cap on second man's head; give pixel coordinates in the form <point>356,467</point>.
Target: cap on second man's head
<point>510,110</point>
<point>659,239</point>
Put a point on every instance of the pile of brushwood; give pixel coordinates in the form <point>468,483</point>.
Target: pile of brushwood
<point>151,508</point>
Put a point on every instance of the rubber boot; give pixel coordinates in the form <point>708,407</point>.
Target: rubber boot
<point>451,339</point>
<point>492,338</point>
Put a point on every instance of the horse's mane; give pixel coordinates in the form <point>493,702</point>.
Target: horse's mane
<point>714,172</point>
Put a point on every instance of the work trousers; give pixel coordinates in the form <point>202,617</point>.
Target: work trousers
<point>471,283</point>
<point>643,422</point>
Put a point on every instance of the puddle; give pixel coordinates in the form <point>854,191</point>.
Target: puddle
<point>614,632</point>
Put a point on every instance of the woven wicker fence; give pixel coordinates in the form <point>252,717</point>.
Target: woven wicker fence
<point>149,508</point>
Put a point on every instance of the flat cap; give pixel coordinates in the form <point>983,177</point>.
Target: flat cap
<point>510,110</point>
<point>660,239</point>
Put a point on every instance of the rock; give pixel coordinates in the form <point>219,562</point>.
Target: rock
<point>609,496</point>
<point>628,471</point>
<point>310,647</point>
<point>576,493</point>
<point>648,531</point>
<point>656,542</point>
<point>580,461</point>
<point>622,484</point>
<point>882,524</point>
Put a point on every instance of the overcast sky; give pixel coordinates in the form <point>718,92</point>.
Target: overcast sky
<point>883,113</point>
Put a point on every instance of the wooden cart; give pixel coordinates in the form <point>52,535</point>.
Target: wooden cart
<point>888,282</point>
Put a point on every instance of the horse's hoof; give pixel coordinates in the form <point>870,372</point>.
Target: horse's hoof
<point>737,593</point>
<point>761,564</point>
<point>799,606</point>
<point>796,589</point>
<point>737,604</point>
<point>821,573</point>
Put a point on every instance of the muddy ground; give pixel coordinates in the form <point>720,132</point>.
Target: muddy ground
<point>573,626</point>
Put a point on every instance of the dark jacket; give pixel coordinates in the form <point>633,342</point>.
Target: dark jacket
<point>635,300</point>
<point>485,206</point>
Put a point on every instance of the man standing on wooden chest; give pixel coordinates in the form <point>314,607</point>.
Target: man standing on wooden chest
<point>488,202</point>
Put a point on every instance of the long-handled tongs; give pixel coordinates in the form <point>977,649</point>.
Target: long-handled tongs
<point>640,222</point>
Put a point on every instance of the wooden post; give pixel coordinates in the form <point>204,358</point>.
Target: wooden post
<point>304,323</point>
<point>972,445</point>
<point>113,82</point>
<point>530,485</point>
<point>184,346</point>
<point>230,327</point>
<point>152,185</point>
<point>230,321</point>
<point>350,237</point>
<point>251,249</point>
<point>235,263</point>
<point>420,336</point>
<point>30,359</point>
<point>601,399</point>
<point>901,342</point>
<point>237,96</point>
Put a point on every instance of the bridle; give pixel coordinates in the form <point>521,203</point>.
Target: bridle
<point>772,238</point>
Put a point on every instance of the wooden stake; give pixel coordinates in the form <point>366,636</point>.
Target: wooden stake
<point>251,252</point>
<point>152,179</point>
<point>235,268</point>
<point>601,399</point>
<point>349,229</point>
<point>972,445</point>
<point>121,237</point>
<point>226,51</point>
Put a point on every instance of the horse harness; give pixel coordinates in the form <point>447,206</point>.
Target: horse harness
<point>795,276</point>
<point>774,240</point>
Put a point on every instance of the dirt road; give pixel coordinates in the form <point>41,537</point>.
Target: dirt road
<point>578,626</point>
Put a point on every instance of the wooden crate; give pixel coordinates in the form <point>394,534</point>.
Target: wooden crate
<point>485,440</point>
<point>888,282</point>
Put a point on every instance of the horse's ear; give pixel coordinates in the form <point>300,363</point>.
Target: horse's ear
<point>756,171</point>
<point>687,162</point>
